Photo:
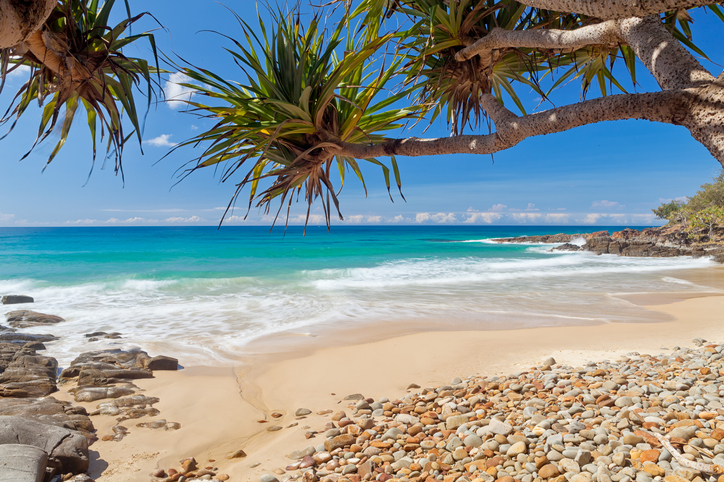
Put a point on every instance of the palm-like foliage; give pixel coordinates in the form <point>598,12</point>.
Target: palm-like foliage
<point>304,91</point>
<point>438,29</point>
<point>76,60</point>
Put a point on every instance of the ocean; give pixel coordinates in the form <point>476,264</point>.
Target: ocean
<point>206,295</point>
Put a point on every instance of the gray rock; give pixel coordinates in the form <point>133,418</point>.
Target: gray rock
<point>67,449</point>
<point>302,412</point>
<point>22,463</point>
<point>268,478</point>
<point>16,299</point>
<point>99,393</point>
<point>498,427</point>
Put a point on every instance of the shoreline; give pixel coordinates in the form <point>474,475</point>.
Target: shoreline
<point>219,408</point>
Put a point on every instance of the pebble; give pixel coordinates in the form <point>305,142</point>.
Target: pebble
<point>554,423</point>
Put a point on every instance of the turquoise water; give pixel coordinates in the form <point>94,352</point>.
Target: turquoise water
<point>203,294</point>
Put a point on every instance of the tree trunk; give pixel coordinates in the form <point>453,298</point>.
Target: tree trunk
<point>20,18</point>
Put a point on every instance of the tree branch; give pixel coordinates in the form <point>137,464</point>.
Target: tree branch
<point>605,33</point>
<point>616,9</point>
<point>671,64</point>
<point>668,107</point>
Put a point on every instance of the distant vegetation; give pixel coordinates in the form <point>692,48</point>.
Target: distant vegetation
<point>699,215</point>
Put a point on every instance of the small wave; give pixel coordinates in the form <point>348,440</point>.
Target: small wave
<point>669,279</point>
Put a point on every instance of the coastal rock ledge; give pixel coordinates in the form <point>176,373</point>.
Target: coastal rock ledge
<point>663,242</point>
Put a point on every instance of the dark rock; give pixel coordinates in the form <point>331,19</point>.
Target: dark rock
<point>162,362</point>
<point>16,299</point>
<point>27,318</point>
<point>67,449</point>
<point>567,247</point>
<point>548,238</point>
<point>50,411</point>
<point>597,234</point>
<point>96,335</point>
<point>23,338</point>
<point>24,373</point>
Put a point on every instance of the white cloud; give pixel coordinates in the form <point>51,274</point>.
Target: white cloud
<point>134,220</point>
<point>558,218</point>
<point>591,218</point>
<point>176,93</point>
<point>363,219</point>
<point>21,71</point>
<point>194,127</point>
<point>525,217</point>
<point>161,141</point>
<point>178,219</point>
<point>531,207</point>
<point>606,204</point>
<point>482,218</point>
<point>83,222</point>
<point>499,207</point>
<point>472,210</point>
<point>400,219</point>
<point>439,218</point>
<point>6,217</point>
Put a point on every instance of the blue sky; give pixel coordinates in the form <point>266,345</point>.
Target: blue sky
<point>606,174</point>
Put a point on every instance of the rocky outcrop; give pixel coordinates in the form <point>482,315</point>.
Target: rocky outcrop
<point>548,238</point>
<point>67,449</point>
<point>16,299</point>
<point>664,242</point>
<point>50,411</point>
<point>107,367</point>
<point>24,373</point>
<point>27,318</point>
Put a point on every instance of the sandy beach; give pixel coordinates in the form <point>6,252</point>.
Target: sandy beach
<point>220,409</point>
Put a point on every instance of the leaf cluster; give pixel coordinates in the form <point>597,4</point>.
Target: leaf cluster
<point>77,59</point>
<point>304,91</point>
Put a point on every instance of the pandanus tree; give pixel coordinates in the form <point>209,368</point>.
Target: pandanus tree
<point>74,58</point>
<point>308,99</point>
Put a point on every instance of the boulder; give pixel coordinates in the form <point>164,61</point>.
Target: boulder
<point>24,373</point>
<point>27,318</point>
<point>162,362</point>
<point>50,411</point>
<point>22,463</point>
<point>16,299</point>
<point>106,367</point>
<point>67,449</point>
<point>99,393</point>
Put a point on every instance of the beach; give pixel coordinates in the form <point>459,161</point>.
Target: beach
<point>219,409</point>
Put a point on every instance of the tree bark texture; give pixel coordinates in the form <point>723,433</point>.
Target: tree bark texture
<point>616,9</point>
<point>20,18</point>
